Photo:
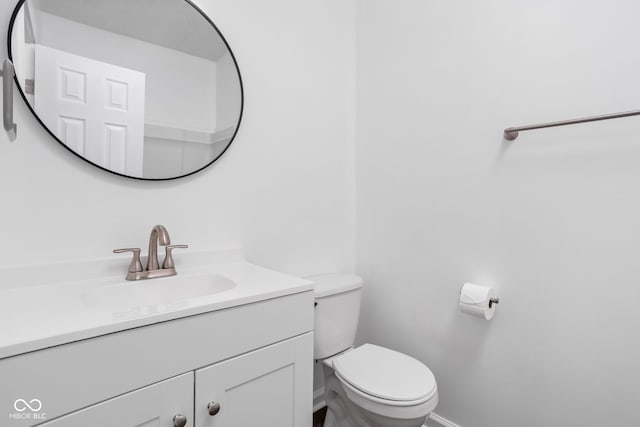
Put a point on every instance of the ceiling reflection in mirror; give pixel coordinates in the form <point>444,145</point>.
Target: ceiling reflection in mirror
<point>147,89</point>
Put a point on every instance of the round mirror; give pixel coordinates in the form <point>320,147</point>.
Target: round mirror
<point>147,89</point>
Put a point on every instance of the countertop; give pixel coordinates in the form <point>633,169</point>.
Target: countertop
<point>36,314</point>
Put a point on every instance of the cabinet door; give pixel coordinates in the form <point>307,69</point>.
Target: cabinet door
<point>271,387</point>
<point>152,406</point>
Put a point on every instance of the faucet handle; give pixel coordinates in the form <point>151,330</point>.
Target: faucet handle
<point>168,259</point>
<point>135,265</point>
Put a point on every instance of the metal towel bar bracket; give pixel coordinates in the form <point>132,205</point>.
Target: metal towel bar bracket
<point>8,73</point>
<point>512,133</point>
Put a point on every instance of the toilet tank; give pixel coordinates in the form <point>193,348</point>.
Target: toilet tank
<point>337,310</point>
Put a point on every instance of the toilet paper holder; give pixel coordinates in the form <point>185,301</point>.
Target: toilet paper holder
<point>491,300</point>
<point>478,300</point>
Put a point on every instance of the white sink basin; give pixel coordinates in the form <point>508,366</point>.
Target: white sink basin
<point>53,304</point>
<point>169,290</point>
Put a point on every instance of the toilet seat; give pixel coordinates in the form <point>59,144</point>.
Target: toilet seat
<point>385,374</point>
<point>390,408</point>
<point>386,382</point>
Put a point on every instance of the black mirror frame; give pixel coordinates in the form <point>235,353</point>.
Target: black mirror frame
<point>235,62</point>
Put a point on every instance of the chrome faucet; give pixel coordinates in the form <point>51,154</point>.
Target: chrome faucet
<point>159,235</point>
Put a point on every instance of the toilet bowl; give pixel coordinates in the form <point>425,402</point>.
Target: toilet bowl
<point>387,388</point>
<point>367,386</point>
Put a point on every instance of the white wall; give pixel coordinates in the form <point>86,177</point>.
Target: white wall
<point>284,189</point>
<point>552,220</point>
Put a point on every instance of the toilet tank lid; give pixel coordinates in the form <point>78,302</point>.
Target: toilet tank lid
<point>334,283</point>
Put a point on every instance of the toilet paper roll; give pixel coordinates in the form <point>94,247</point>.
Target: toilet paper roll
<point>474,300</point>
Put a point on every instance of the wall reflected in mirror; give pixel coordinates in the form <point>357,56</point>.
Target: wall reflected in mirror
<point>146,88</point>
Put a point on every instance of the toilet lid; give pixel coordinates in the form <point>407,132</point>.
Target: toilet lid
<point>386,374</point>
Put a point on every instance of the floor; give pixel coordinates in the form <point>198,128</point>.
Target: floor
<point>318,417</point>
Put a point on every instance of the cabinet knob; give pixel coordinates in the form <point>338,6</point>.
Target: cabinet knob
<point>213,407</point>
<point>179,420</point>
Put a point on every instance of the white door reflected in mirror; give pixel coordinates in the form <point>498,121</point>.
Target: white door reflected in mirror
<point>95,108</point>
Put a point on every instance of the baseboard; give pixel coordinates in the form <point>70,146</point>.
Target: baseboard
<point>441,420</point>
<point>318,400</point>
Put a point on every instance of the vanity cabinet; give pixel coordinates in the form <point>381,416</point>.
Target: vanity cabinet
<point>261,388</point>
<point>151,406</point>
<point>254,360</point>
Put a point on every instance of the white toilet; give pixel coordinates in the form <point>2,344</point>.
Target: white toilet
<point>368,386</point>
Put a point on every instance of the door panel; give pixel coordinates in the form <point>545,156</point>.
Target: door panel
<point>271,386</point>
<point>153,406</point>
<point>95,108</point>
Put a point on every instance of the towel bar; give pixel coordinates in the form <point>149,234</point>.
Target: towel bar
<point>512,133</point>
